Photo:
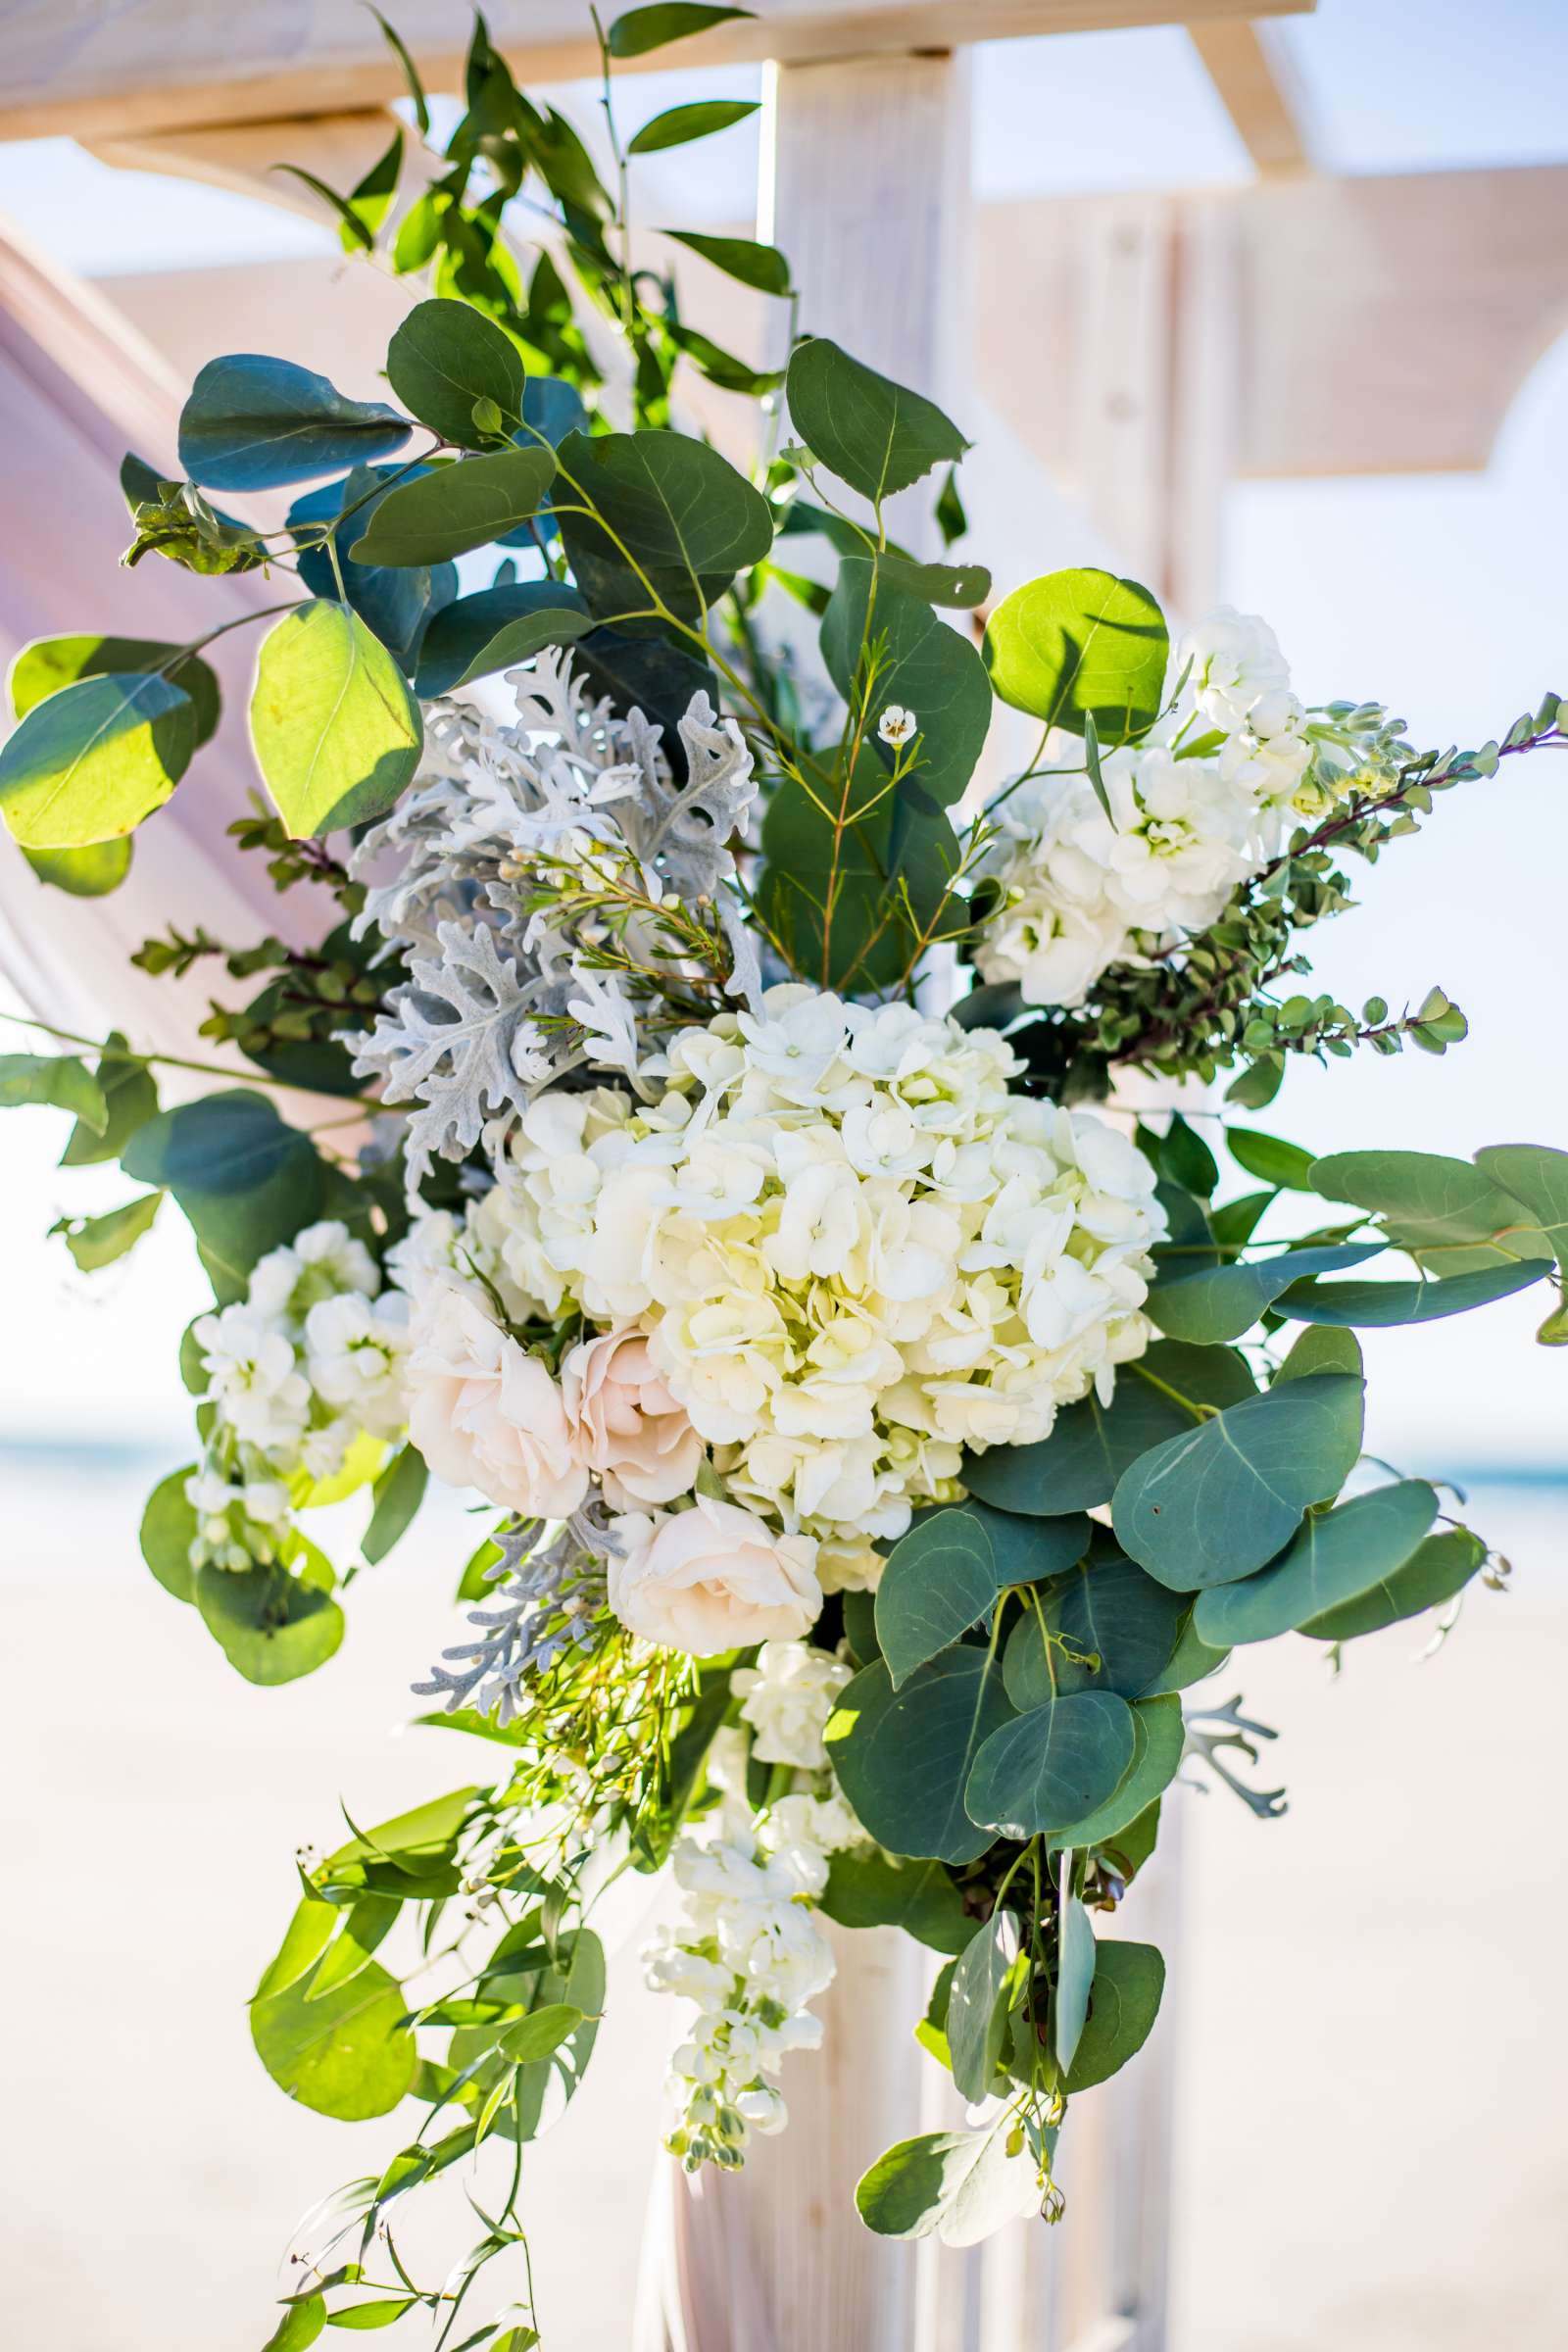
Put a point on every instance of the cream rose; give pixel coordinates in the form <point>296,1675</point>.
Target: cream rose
<point>625,1425</point>
<point>712,1579</point>
<point>483,1412</point>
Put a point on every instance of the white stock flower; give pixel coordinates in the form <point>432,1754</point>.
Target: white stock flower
<point>355,1348</point>
<point>253,1377</point>
<point>321,1261</point>
<point>482,1411</point>
<point>787,1697</point>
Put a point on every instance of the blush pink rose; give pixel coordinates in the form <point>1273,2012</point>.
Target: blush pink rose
<point>625,1425</point>
<point>485,1413</point>
<point>712,1579</point>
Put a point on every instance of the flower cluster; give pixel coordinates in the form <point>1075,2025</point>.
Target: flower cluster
<point>1196,807</point>
<point>748,1953</point>
<point>851,1250</point>
<point>309,1363</point>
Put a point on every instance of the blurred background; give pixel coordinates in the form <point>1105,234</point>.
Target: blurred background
<point>1366,2029</point>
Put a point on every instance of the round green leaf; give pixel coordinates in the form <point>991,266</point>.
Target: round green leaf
<point>1123,2005</point>
<point>167,1531</point>
<point>253,423</point>
<point>455,508</point>
<point>1538,1177</point>
<point>1051,1766</point>
<point>337,734</point>
<point>90,761</point>
<point>1221,1302</point>
<point>270,1626</point>
<point>1092,1445</point>
<point>1108,1609</point>
<point>1434,1572</point>
<point>938,1581</point>
<point>86,873</point>
<point>690,519</point>
<point>1338,1555</point>
<point>245,1181</point>
<point>1191,1661</point>
<point>345,2053</point>
<point>927,667</point>
<point>1029,1550</point>
<point>874,434</point>
<point>1214,1503</point>
<point>445,357</point>
<point>1077,645</point>
<point>958,2187</point>
<point>1444,1211</point>
<point>50,663</point>
<point>494,629</point>
<point>903,1756</point>
<point>683,124</point>
<point>868,1888</point>
<point>1158,1738</point>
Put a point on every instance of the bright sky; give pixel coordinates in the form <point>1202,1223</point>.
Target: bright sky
<point>1442,595</point>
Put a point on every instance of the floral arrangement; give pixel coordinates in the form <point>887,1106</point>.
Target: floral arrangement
<point>693,1136</point>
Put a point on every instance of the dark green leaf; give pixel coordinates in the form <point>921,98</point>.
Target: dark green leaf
<point>940,1578</point>
<point>1372,1305</point>
<point>1107,1610</point>
<point>130,1100</point>
<point>644,28</point>
<point>447,356</point>
<point>396,604</point>
<point>272,1626</point>
<point>1027,1549</point>
<point>336,733</point>
<point>867,1888</point>
<point>1322,1348</point>
<point>1077,643</point>
<point>645,673</point>
<point>1186,1160</point>
<point>1214,1503</point>
<point>1338,1556</point>
<point>90,761</point>
<point>874,434</point>
<point>960,585</point>
<point>1221,1302</point>
<point>903,1756</point>
<point>1092,1445</point>
<point>1158,1738</point>
<point>457,507</point>
<point>253,423</point>
<point>692,521</point>
<point>245,1181</point>
<point>927,667</point>
<point>1053,1765</point>
<point>1434,1572</point>
<point>1124,2001</point>
<point>760,266</point>
<point>1192,1661</point>
<point>48,663</point>
<point>683,124</point>
<point>494,629</point>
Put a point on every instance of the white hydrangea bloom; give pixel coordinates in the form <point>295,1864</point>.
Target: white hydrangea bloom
<point>853,1250</point>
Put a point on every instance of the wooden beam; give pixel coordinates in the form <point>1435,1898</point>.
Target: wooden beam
<point>1257,83</point>
<point>81,70</point>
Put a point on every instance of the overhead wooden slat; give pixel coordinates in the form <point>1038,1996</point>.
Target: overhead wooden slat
<point>1257,83</point>
<point>84,70</point>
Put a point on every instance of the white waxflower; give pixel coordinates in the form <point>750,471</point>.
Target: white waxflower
<point>254,1378</point>
<point>897,725</point>
<point>787,1697</point>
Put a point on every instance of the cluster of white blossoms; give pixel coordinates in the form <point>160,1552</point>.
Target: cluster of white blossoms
<point>833,1251</point>
<point>747,1951</point>
<point>307,1362</point>
<point>1196,808</point>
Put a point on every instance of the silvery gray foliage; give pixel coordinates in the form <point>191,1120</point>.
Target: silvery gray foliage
<point>544,1605</point>
<point>459,1038</point>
